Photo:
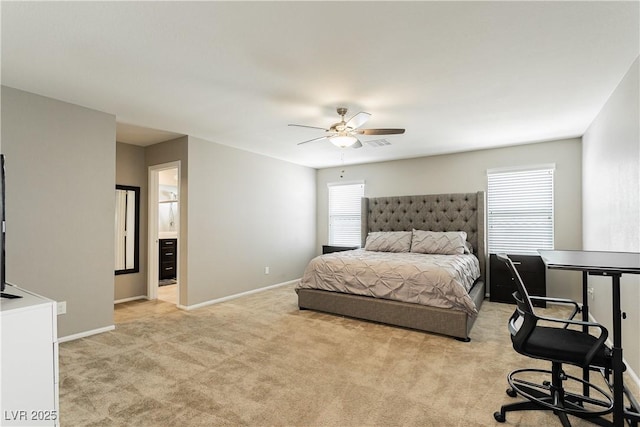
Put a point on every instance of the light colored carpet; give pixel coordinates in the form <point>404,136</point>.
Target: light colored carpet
<point>168,293</point>
<point>259,361</point>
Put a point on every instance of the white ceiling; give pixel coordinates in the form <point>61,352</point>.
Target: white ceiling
<point>457,75</point>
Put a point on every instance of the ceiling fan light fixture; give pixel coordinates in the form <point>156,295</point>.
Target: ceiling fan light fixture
<point>343,140</point>
<point>343,134</point>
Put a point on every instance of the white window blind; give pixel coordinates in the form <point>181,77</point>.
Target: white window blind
<point>520,210</point>
<point>344,214</point>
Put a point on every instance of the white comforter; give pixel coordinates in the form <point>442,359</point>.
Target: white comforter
<point>434,280</point>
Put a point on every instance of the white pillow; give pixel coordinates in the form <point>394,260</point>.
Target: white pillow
<point>389,241</point>
<point>439,242</point>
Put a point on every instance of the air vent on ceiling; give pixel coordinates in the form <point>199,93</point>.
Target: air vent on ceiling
<point>377,142</point>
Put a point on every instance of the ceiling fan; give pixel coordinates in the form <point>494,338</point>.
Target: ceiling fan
<point>343,134</point>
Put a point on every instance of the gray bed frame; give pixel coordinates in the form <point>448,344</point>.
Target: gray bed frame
<point>435,212</point>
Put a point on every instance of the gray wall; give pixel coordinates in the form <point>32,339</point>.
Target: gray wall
<point>466,172</point>
<point>167,152</point>
<point>60,205</point>
<point>131,170</point>
<point>246,212</point>
<point>611,202</point>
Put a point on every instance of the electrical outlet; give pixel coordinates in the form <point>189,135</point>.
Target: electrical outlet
<point>266,270</point>
<point>62,307</point>
<point>590,292</point>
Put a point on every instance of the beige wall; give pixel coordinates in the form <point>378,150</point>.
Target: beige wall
<point>611,202</point>
<point>466,172</point>
<point>131,170</point>
<point>167,152</point>
<point>60,205</point>
<point>246,212</point>
<point>239,213</point>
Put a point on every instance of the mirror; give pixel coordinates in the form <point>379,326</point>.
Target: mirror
<point>127,229</point>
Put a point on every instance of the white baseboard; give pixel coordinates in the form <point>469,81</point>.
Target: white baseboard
<point>632,374</point>
<point>86,333</point>
<point>231,297</point>
<point>118,301</point>
<point>190,307</point>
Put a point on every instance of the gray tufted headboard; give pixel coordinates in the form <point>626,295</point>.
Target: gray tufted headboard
<point>433,212</point>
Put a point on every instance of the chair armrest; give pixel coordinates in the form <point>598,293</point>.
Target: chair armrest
<point>572,322</point>
<point>551,299</point>
<point>576,307</point>
<point>599,340</point>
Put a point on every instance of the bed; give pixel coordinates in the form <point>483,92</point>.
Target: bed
<point>328,282</point>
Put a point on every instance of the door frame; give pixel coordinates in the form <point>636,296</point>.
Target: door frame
<point>153,262</point>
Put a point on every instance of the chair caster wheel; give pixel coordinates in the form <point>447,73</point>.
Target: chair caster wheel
<point>511,392</point>
<point>499,417</point>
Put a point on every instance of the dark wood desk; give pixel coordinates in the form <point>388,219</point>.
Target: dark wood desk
<point>613,264</point>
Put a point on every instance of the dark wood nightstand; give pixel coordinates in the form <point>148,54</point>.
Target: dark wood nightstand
<point>327,249</point>
<point>531,270</point>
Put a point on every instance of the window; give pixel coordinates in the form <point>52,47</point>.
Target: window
<point>344,213</point>
<point>520,210</point>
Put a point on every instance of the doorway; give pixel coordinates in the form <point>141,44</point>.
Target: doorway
<point>164,232</point>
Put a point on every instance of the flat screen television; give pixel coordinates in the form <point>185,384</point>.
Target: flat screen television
<point>3,270</point>
<point>2,226</point>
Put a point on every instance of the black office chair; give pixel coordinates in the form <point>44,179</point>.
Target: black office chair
<point>551,339</point>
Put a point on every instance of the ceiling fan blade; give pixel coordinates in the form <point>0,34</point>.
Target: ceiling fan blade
<point>358,120</point>
<point>313,140</point>
<point>311,127</point>
<point>379,131</point>
<point>357,144</point>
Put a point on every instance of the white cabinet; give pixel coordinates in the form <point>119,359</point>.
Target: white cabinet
<point>29,360</point>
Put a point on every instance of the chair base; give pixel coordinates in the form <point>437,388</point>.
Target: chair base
<point>551,396</point>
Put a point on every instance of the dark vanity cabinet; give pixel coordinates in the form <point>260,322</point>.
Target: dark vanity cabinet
<point>168,258</point>
<point>531,270</point>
